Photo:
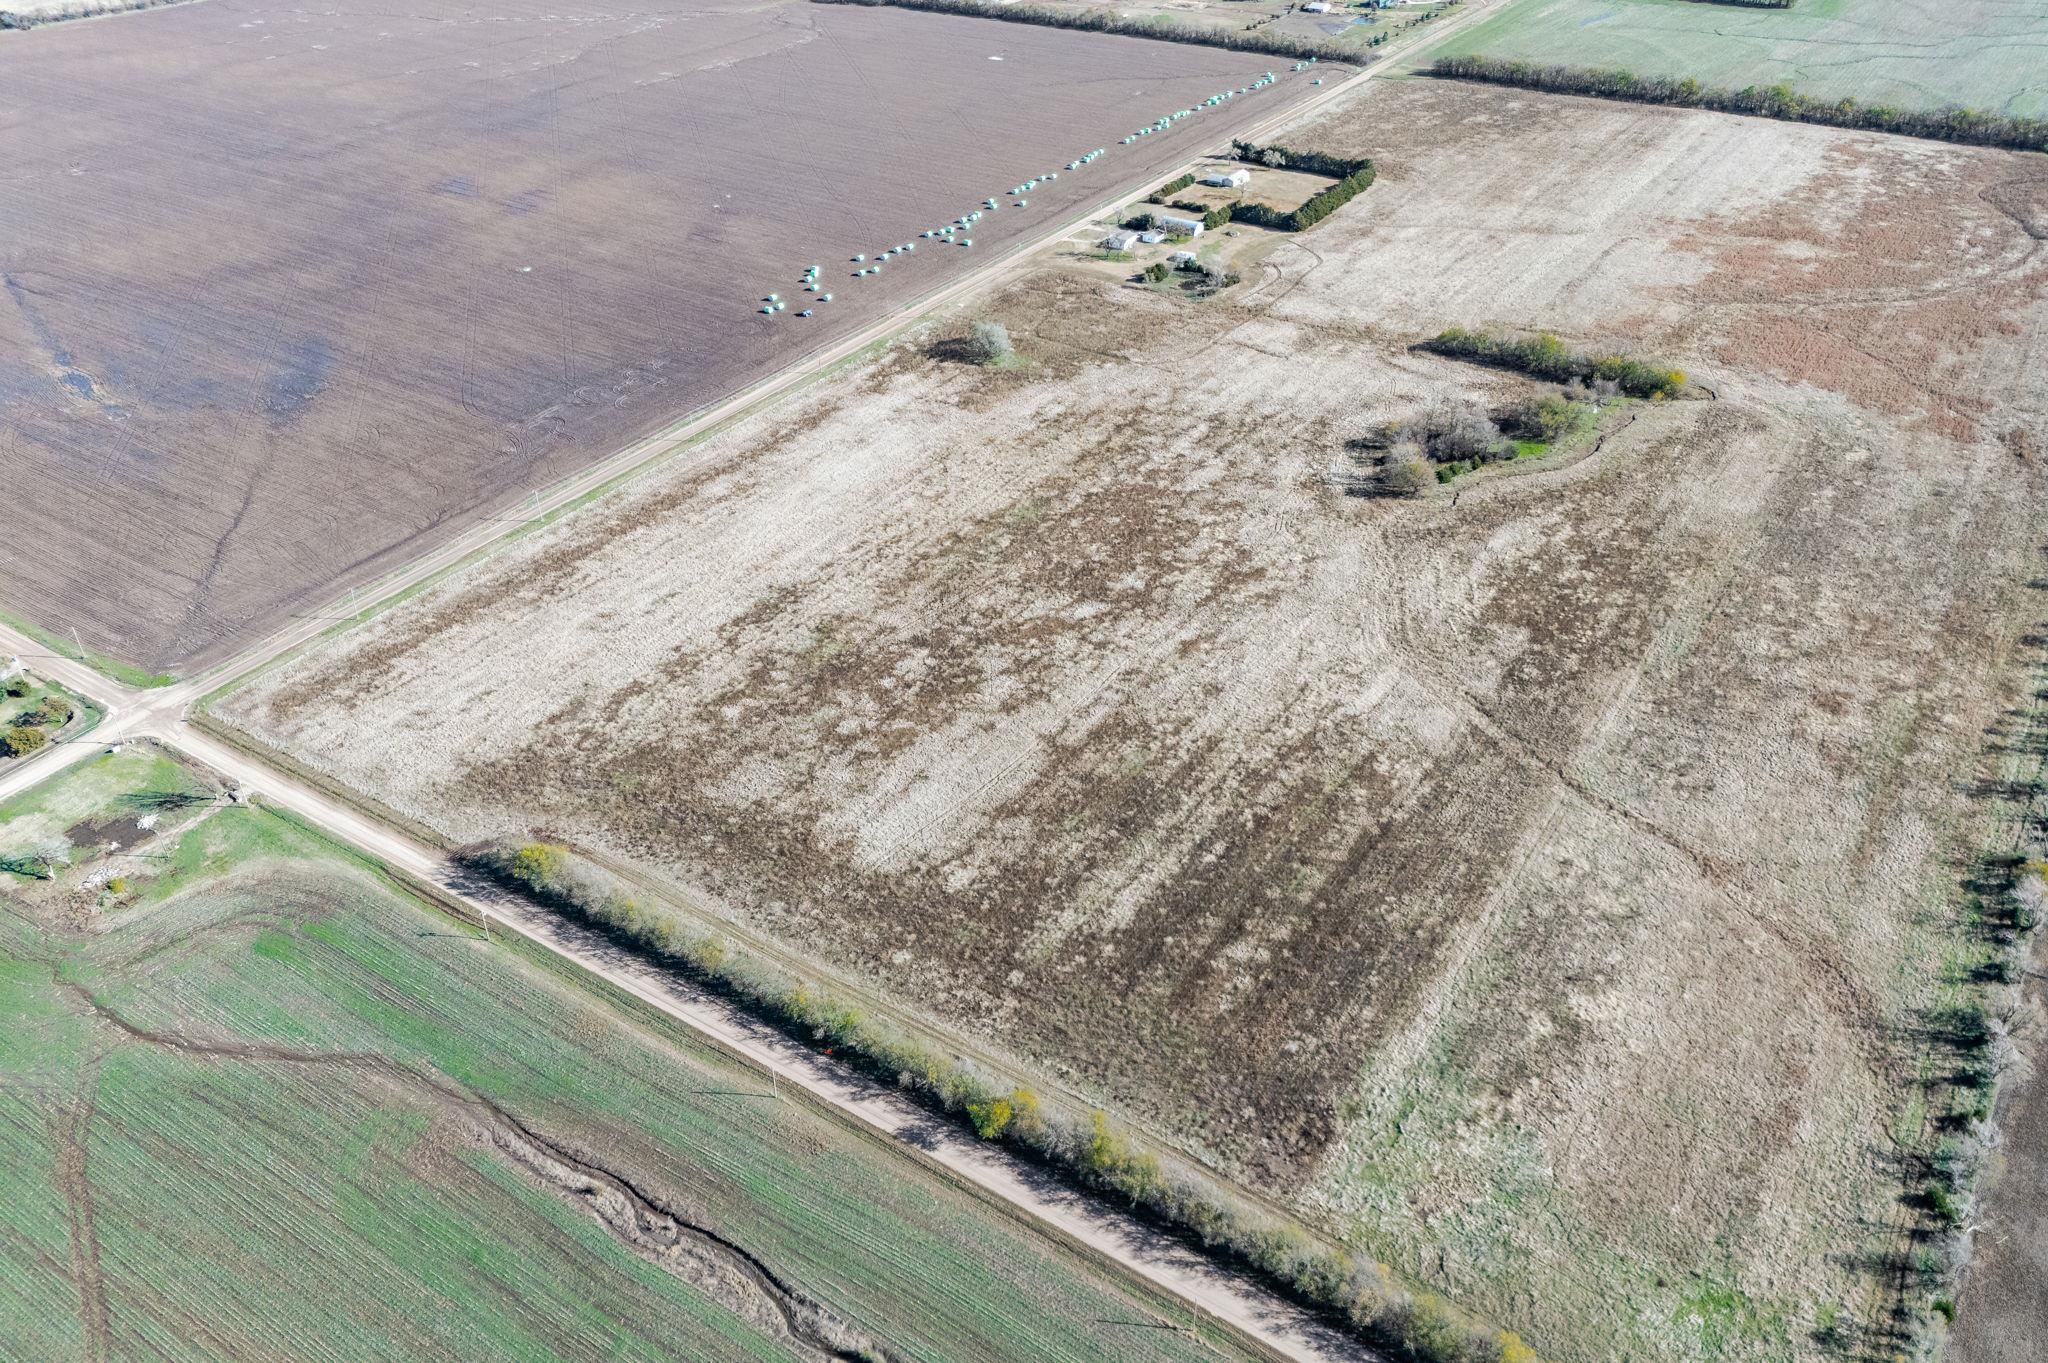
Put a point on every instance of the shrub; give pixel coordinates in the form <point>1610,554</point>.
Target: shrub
<point>1544,418</point>
<point>988,343</point>
<point>1446,432</point>
<point>17,686</point>
<point>991,1118</point>
<point>1946,1207</point>
<point>1157,272</point>
<point>52,710</point>
<point>1404,472</point>
<point>539,865</point>
<point>1513,1350</point>
<point>1215,217</point>
<point>118,885</point>
<point>1173,186</point>
<point>21,741</point>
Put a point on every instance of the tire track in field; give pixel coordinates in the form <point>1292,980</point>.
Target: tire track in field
<point>72,1122</point>
<point>1852,1005</point>
<point>702,1257</point>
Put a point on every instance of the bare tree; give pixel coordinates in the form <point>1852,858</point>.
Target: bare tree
<point>1405,470</point>
<point>988,343</point>
<point>1449,431</point>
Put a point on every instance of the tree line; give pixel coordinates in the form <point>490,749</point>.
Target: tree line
<point>1173,186</point>
<point>1353,178</point>
<point>1103,21</point>
<point>1950,123</point>
<point>1089,1149</point>
<point>1543,356</point>
<point>76,9</point>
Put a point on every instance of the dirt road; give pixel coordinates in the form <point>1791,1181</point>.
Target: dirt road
<point>1279,1328</point>
<point>629,461</point>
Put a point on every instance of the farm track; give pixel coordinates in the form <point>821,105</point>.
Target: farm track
<point>72,1123</point>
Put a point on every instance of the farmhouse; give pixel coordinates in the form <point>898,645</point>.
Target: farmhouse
<point>1235,178</point>
<point>1120,240</point>
<point>1170,222</point>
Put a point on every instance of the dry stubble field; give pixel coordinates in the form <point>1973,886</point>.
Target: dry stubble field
<point>289,295</point>
<point>1536,885</point>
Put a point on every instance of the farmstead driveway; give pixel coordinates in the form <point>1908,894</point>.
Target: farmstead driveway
<point>1277,1327</point>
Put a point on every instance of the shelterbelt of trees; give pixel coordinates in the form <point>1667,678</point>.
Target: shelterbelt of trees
<point>1103,21</point>
<point>1950,123</point>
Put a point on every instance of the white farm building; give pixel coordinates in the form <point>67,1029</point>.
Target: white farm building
<point>1169,222</point>
<point>1235,178</point>
<point>1122,240</point>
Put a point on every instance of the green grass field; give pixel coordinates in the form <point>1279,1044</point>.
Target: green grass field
<point>265,1106</point>
<point>1985,54</point>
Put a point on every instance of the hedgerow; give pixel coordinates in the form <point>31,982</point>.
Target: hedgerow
<point>1091,1150</point>
<point>1354,178</point>
<point>1173,186</point>
<point>1287,158</point>
<point>1949,123</point>
<point>1543,356</point>
<point>1103,21</point>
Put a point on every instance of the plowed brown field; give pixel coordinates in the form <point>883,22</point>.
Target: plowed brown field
<point>288,295</point>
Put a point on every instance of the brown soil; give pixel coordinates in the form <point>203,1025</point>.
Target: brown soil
<point>1535,885</point>
<point>474,249</point>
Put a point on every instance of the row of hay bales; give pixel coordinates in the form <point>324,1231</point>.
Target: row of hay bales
<point>959,232</point>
